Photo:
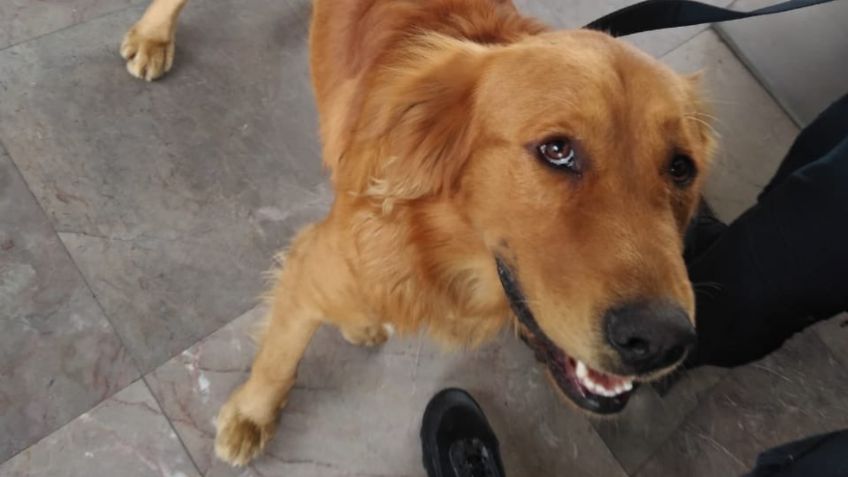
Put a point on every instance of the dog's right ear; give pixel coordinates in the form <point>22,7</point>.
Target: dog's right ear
<point>425,118</point>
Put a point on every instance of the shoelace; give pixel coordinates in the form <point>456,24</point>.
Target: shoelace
<point>471,458</point>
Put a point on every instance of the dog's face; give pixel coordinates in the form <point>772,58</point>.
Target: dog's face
<point>582,163</point>
<point>585,169</point>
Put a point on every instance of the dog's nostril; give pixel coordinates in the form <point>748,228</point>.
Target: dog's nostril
<point>637,346</point>
<point>649,335</point>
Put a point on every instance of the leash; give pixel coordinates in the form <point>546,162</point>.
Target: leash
<point>658,14</point>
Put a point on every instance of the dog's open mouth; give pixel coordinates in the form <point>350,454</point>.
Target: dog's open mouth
<point>588,388</point>
<point>592,390</point>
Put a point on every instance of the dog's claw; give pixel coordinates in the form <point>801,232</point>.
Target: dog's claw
<point>240,439</point>
<point>148,55</point>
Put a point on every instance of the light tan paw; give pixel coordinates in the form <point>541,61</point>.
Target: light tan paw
<point>149,55</point>
<point>239,438</point>
<point>371,335</point>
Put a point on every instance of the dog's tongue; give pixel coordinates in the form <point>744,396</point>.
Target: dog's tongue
<point>606,380</point>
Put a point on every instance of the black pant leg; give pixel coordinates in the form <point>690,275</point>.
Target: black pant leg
<point>818,456</point>
<point>778,268</point>
<point>815,141</point>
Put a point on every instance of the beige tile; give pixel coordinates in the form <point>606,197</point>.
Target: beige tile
<point>577,13</point>
<point>754,131</point>
<point>125,436</point>
<point>798,55</point>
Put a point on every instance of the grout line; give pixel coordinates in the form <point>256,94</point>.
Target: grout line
<point>607,447</point>
<point>132,360</point>
<point>141,376</point>
<point>171,424</point>
<point>700,398</point>
<point>764,83</point>
<point>704,27</point>
<point>65,424</point>
<point>135,4</point>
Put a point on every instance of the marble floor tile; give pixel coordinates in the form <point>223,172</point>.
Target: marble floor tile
<point>172,197</point>
<point>21,20</point>
<point>357,411</point>
<point>796,55</point>
<point>834,334</point>
<point>58,353</point>
<point>754,132</point>
<point>793,393</point>
<point>649,419</point>
<point>125,436</point>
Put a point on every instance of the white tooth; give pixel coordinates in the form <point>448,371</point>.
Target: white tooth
<point>602,390</point>
<point>628,385</point>
<point>581,370</point>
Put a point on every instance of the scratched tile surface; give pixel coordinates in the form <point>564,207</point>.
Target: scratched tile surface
<point>357,411</point>
<point>125,435</point>
<point>59,356</point>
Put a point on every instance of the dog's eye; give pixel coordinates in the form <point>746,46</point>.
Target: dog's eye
<point>682,170</point>
<point>559,153</point>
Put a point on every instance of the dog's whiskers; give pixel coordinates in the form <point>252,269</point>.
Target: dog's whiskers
<point>705,123</point>
<point>707,289</point>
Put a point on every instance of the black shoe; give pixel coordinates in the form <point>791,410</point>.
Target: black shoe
<point>457,439</point>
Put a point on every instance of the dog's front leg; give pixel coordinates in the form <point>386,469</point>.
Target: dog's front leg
<point>248,419</point>
<point>149,45</point>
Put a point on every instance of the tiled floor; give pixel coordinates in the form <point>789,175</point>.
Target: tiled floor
<point>136,220</point>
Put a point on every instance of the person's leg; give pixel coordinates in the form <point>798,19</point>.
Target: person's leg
<point>784,263</point>
<point>815,141</point>
<point>456,438</point>
<point>824,455</point>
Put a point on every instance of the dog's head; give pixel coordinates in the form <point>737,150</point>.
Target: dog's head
<point>579,161</point>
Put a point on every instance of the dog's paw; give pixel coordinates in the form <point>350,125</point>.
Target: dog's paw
<point>371,335</point>
<point>239,438</point>
<point>149,55</point>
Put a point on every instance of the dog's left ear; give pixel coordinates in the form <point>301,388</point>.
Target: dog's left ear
<point>426,119</point>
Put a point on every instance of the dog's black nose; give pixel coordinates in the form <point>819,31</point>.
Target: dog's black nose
<point>649,335</point>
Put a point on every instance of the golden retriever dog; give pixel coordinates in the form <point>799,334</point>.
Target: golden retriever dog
<point>488,172</point>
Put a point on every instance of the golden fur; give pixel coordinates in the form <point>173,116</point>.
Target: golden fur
<point>426,112</point>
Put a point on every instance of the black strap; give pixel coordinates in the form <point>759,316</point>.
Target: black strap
<point>658,14</point>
